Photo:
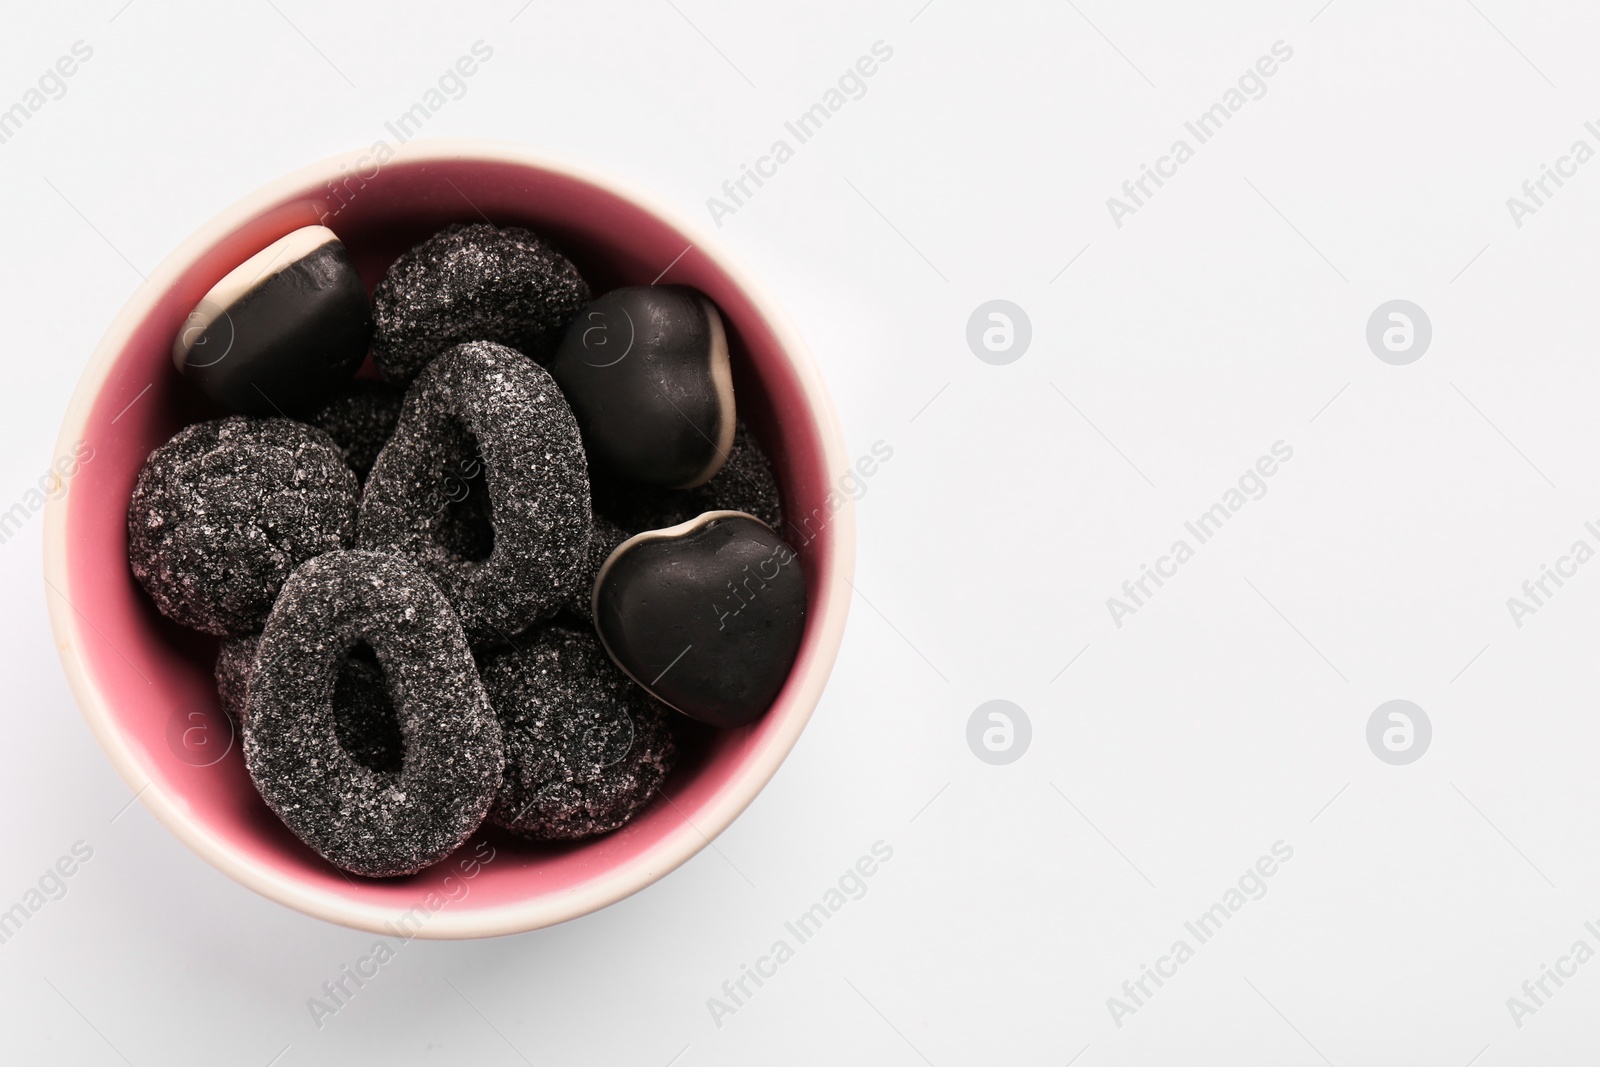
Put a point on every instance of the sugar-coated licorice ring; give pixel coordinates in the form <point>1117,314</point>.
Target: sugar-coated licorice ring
<point>363,714</point>
<point>369,822</point>
<point>484,425</point>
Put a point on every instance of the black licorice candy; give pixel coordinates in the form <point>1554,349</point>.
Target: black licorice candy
<point>365,821</point>
<point>226,509</point>
<point>486,420</point>
<point>472,282</point>
<point>280,333</point>
<point>707,616</point>
<point>604,537</point>
<point>586,749</point>
<point>646,371</point>
<point>363,714</point>
<point>745,483</point>
<point>360,417</point>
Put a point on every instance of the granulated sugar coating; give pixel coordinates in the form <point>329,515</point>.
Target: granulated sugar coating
<point>225,510</point>
<point>371,822</point>
<point>236,665</point>
<point>363,715</point>
<point>485,400</point>
<point>360,419</point>
<point>585,747</point>
<point>603,539</point>
<point>472,282</point>
<point>745,484</point>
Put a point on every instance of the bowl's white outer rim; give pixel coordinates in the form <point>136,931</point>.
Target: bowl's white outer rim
<point>68,626</point>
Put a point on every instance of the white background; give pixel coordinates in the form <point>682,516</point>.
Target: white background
<point>1227,314</point>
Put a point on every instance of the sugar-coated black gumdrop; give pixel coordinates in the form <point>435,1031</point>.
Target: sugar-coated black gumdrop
<point>484,483</point>
<point>367,821</point>
<point>745,483</point>
<point>646,371</point>
<point>226,509</point>
<point>706,615</point>
<point>363,715</point>
<point>585,748</point>
<point>360,418</point>
<point>472,282</point>
<point>282,331</point>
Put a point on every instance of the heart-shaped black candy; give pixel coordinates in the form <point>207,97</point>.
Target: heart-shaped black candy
<point>706,615</point>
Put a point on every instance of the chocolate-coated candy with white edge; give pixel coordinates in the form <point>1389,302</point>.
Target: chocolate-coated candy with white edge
<point>281,332</point>
<point>706,615</point>
<point>646,371</point>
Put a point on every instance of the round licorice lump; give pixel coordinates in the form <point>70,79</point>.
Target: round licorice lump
<point>371,822</point>
<point>585,747</point>
<point>745,483</point>
<point>646,371</point>
<point>484,483</point>
<point>472,282</point>
<point>360,418</point>
<point>280,332</point>
<point>225,510</point>
<point>706,615</point>
<point>364,717</point>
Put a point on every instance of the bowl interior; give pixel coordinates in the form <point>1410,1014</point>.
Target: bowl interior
<point>154,679</point>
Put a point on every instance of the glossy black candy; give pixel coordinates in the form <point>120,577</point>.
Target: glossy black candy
<point>646,371</point>
<point>283,331</point>
<point>706,615</point>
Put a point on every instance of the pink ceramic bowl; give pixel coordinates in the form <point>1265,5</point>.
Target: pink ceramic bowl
<point>145,685</point>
